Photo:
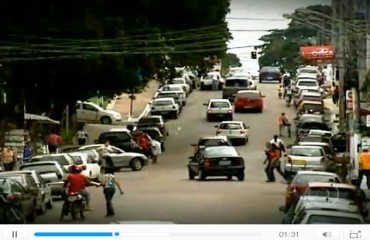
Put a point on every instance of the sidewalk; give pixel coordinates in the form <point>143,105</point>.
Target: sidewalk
<point>122,103</point>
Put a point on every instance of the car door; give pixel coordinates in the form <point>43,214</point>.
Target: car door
<point>89,113</point>
<point>120,158</point>
<point>36,193</point>
<point>339,141</point>
<point>27,201</point>
<point>194,162</point>
<point>93,167</point>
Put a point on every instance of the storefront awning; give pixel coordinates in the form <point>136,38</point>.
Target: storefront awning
<point>39,118</point>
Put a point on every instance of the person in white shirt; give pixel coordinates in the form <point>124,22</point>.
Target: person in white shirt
<point>278,142</point>
<point>82,136</point>
<point>156,151</point>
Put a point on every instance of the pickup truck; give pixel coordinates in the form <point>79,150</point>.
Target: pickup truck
<point>93,113</point>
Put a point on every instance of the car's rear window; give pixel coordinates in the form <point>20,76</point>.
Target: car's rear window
<point>304,179</point>
<point>250,95</point>
<point>309,71</point>
<point>149,120</point>
<point>162,103</point>
<point>231,126</point>
<point>237,83</point>
<point>306,152</point>
<point>307,83</point>
<point>214,152</point>
<point>332,192</point>
<point>168,95</point>
<point>210,142</point>
<point>314,107</point>
<point>220,105</point>
<point>114,136</point>
<point>325,219</point>
<point>270,69</point>
<point>60,159</point>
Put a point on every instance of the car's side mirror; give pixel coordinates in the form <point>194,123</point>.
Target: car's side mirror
<point>193,145</point>
<point>216,126</point>
<point>263,96</point>
<point>205,104</point>
<point>247,127</point>
<point>150,102</point>
<point>283,209</point>
<point>191,158</point>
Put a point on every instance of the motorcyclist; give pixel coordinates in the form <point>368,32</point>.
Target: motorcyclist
<point>286,81</point>
<point>76,183</point>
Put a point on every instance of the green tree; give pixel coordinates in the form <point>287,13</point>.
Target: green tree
<point>231,60</point>
<point>281,47</point>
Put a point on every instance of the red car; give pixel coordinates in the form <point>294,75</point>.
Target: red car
<point>248,100</point>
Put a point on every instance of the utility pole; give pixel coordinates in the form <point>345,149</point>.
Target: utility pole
<point>339,9</point>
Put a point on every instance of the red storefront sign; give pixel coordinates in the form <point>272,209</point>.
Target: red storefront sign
<point>314,53</point>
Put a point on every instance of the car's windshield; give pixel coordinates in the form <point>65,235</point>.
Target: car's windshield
<point>314,125</point>
<point>149,120</point>
<point>60,159</point>
<point>177,81</point>
<point>237,83</point>
<point>307,83</point>
<point>306,152</point>
<point>270,69</point>
<point>304,179</point>
<point>332,192</point>
<point>313,107</point>
<point>77,160</point>
<point>249,95</point>
<point>220,105</point>
<point>168,95</point>
<point>40,168</point>
<point>230,126</point>
<point>162,102</point>
<point>210,142</point>
<point>215,152</point>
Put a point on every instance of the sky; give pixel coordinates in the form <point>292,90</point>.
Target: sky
<point>269,10</point>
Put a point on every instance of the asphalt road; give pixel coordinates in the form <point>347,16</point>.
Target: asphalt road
<point>163,192</point>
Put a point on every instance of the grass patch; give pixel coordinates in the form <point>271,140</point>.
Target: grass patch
<point>101,101</point>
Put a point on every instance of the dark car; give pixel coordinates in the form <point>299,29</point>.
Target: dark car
<point>27,197</point>
<point>217,161</point>
<point>211,141</point>
<point>153,121</point>
<point>270,74</point>
<point>120,138</point>
<point>154,133</point>
<point>32,180</point>
<point>305,126</point>
<point>52,172</point>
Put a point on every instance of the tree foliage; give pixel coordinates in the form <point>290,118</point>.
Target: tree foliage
<point>231,60</point>
<point>281,47</point>
<point>60,51</point>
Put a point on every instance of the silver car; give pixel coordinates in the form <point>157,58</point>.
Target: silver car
<point>219,108</point>
<point>236,131</point>
<point>300,158</point>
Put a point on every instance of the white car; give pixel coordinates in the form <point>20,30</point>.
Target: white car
<point>312,70</point>
<point>249,77</point>
<point>307,84</point>
<point>236,131</point>
<point>165,106</point>
<point>182,83</point>
<point>170,94</point>
<point>219,108</point>
<point>172,87</point>
<point>93,113</point>
<point>122,159</point>
<point>92,167</point>
<point>306,76</point>
<point>206,81</point>
<point>320,132</point>
<point>179,92</point>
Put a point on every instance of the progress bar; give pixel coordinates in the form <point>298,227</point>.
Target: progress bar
<point>76,234</point>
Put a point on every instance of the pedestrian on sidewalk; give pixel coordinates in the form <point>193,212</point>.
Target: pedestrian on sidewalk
<point>110,183</point>
<point>82,135</point>
<point>156,151</point>
<point>9,159</point>
<point>54,140</point>
<point>335,95</point>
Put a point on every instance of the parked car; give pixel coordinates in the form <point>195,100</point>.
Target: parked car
<point>92,170</point>
<point>181,82</point>
<point>248,100</point>
<point>153,121</point>
<point>50,171</point>
<point>217,161</point>
<point>178,98</point>
<point>93,113</point>
<point>219,109</point>
<point>122,159</point>
<point>20,199</point>
<point>165,107</point>
<point>63,159</point>
<point>28,196</point>
<point>206,81</point>
<point>118,137</point>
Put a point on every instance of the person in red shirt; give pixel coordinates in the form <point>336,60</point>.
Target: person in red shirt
<point>54,140</point>
<point>272,163</point>
<point>145,144</point>
<point>76,183</point>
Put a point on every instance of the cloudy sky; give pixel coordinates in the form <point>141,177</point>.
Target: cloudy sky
<point>269,10</point>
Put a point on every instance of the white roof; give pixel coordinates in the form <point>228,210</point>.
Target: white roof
<point>313,94</point>
<point>39,118</point>
<point>118,130</point>
<point>313,144</point>
<point>321,173</point>
<point>300,146</point>
<point>333,185</point>
<point>225,122</point>
<point>163,99</point>
<point>306,79</point>
<point>219,100</point>
<point>249,91</point>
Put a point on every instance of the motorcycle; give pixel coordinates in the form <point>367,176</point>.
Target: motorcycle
<point>288,97</point>
<point>75,204</point>
<point>10,211</point>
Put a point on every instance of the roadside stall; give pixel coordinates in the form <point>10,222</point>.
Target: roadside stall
<point>38,127</point>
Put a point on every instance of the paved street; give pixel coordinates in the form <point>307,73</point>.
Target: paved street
<point>163,192</point>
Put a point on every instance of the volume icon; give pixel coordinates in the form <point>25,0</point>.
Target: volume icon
<point>326,234</point>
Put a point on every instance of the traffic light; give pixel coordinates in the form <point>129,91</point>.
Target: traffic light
<point>254,55</point>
